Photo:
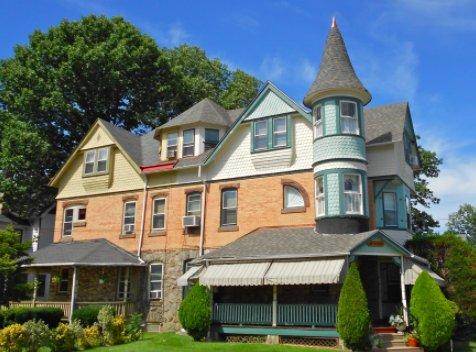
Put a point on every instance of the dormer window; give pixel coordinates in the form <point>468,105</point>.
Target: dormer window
<point>260,135</point>
<point>172,145</point>
<point>212,136</point>
<point>280,132</point>
<point>349,121</point>
<point>188,142</point>
<point>96,161</point>
<point>271,133</point>
<point>317,121</point>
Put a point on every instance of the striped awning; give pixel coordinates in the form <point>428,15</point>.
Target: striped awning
<point>189,274</point>
<point>413,269</point>
<point>324,271</point>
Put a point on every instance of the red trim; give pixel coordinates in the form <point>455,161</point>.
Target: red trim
<point>166,165</point>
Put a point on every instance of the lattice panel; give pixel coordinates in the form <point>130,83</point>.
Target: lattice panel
<point>246,338</point>
<point>309,341</point>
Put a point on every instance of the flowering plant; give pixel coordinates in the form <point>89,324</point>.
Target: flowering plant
<point>397,321</point>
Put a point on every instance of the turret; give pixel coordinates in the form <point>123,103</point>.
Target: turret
<point>336,98</point>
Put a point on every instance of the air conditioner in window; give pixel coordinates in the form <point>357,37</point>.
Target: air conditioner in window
<point>191,221</point>
<point>155,295</point>
<point>172,153</point>
<point>128,229</point>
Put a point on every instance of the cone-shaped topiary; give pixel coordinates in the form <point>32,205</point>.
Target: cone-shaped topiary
<point>353,318</point>
<point>433,314</point>
<point>195,312</point>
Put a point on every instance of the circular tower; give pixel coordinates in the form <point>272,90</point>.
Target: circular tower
<point>336,98</point>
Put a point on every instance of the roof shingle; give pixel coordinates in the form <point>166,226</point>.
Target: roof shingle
<point>385,123</point>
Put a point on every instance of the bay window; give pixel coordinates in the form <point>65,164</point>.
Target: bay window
<point>353,194</point>
<point>317,121</point>
<point>172,145</point>
<point>212,136</point>
<point>320,196</point>
<point>188,148</point>
<point>349,120</point>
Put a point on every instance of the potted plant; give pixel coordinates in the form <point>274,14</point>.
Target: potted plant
<point>55,279</point>
<point>411,340</point>
<point>397,322</point>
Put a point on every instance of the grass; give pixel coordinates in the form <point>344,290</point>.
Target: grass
<point>171,342</point>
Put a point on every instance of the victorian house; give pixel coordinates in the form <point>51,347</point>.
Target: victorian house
<point>267,205</point>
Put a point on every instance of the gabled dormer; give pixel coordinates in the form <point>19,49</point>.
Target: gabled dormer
<point>194,131</point>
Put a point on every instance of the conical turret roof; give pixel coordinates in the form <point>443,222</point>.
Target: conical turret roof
<point>336,71</point>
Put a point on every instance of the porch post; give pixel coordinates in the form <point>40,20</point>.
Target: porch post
<point>404,294</point>
<point>275,305</point>
<point>126,284</point>
<point>73,295</point>
<point>35,288</point>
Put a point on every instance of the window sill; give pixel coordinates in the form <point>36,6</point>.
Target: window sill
<point>157,233</point>
<point>79,224</point>
<point>228,228</point>
<point>255,151</point>
<point>95,174</point>
<point>293,210</point>
<point>127,235</point>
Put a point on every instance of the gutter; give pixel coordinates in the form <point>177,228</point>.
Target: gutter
<point>144,202</point>
<point>202,218</point>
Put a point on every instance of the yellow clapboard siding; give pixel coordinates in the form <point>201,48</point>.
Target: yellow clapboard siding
<point>98,139</point>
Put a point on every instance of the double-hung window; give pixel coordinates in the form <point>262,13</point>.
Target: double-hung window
<point>260,135</point>
<point>129,220</point>
<point>349,120</point>
<point>353,194</point>
<point>172,145</point>
<point>156,281</point>
<point>188,142</point>
<point>292,198</point>
<point>158,215</point>
<point>317,115</point>
<point>96,161</point>
<point>124,284</point>
<point>229,206</point>
<point>389,208</point>
<point>280,132</point>
<point>212,136</point>
<point>64,281</point>
<point>73,215</point>
<point>320,196</point>
<point>194,204</point>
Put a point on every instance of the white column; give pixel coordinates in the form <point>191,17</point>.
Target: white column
<point>404,294</point>
<point>73,295</point>
<point>35,288</point>
<point>275,305</point>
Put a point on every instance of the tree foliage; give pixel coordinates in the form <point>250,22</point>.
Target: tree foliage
<point>353,317</point>
<point>195,313</point>
<point>433,314</point>
<point>464,222</point>
<point>64,79</point>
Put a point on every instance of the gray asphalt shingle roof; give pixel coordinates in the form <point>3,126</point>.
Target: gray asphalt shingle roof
<point>292,242</point>
<point>98,252</point>
<point>335,70</point>
<point>385,123</point>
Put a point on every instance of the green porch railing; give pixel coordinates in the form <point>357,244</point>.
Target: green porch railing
<point>307,314</point>
<point>242,313</point>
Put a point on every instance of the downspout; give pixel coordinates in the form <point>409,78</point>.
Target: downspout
<point>202,218</point>
<point>144,203</point>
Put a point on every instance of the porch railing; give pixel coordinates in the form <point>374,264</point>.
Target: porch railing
<point>287,314</point>
<point>123,308</point>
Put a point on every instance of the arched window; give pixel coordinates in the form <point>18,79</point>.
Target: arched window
<point>293,198</point>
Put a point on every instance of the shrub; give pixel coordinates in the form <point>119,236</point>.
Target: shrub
<point>133,330</point>
<point>353,318</point>
<point>112,326</point>
<point>91,337</point>
<point>65,337</point>
<point>195,312</point>
<point>87,315</point>
<point>13,338</point>
<point>20,315</point>
<point>433,314</point>
<point>38,335</point>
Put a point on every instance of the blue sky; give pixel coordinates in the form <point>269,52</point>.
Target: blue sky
<point>422,51</point>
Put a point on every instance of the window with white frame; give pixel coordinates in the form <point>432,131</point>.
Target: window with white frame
<point>260,135</point>
<point>156,281</point>
<point>124,284</point>
<point>229,207</point>
<point>64,281</point>
<point>293,198</point>
<point>349,120</point>
<point>129,219</point>
<point>72,215</point>
<point>96,161</point>
<point>172,145</point>
<point>280,132</point>
<point>318,127</point>
<point>188,142</point>
<point>389,209</point>
<point>158,214</point>
<point>320,196</point>
<point>353,194</point>
<point>194,204</point>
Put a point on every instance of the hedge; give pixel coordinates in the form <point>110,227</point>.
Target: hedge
<point>87,315</point>
<point>195,312</point>
<point>20,315</point>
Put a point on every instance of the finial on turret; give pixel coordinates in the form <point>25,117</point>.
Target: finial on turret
<point>334,22</point>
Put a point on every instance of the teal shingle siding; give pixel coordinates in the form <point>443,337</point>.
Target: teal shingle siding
<point>339,147</point>
<point>401,191</point>
<point>332,196</point>
<point>330,117</point>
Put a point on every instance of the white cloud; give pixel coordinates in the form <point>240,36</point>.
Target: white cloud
<point>176,35</point>
<point>245,21</point>
<point>272,68</point>
<point>306,71</point>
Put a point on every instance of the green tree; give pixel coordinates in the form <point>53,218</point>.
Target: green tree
<point>423,222</point>
<point>353,317</point>
<point>433,314</point>
<point>12,254</point>
<point>464,221</point>
<point>195,313</point>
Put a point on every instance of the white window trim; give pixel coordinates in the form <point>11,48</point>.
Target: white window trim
<point>96,160</point>
<point>75,219</point>
<point>124,217</point>
<point>170,146</point>
<point>356,118</point>
<point>223,208</point>
<point>260,135</point>
<point>320,196</point>
<point>278,133</point>
<point>353,192</point>
<point>164,213</point>
<point>188,144</point>
<point>285,187</point>
<point>315,123</point>
<point>187,202</point>
<point>161,290</point>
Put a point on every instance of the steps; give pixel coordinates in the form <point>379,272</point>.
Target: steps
<point>394,343</point>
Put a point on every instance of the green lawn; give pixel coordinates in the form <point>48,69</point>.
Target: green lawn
<point>171,342</point>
